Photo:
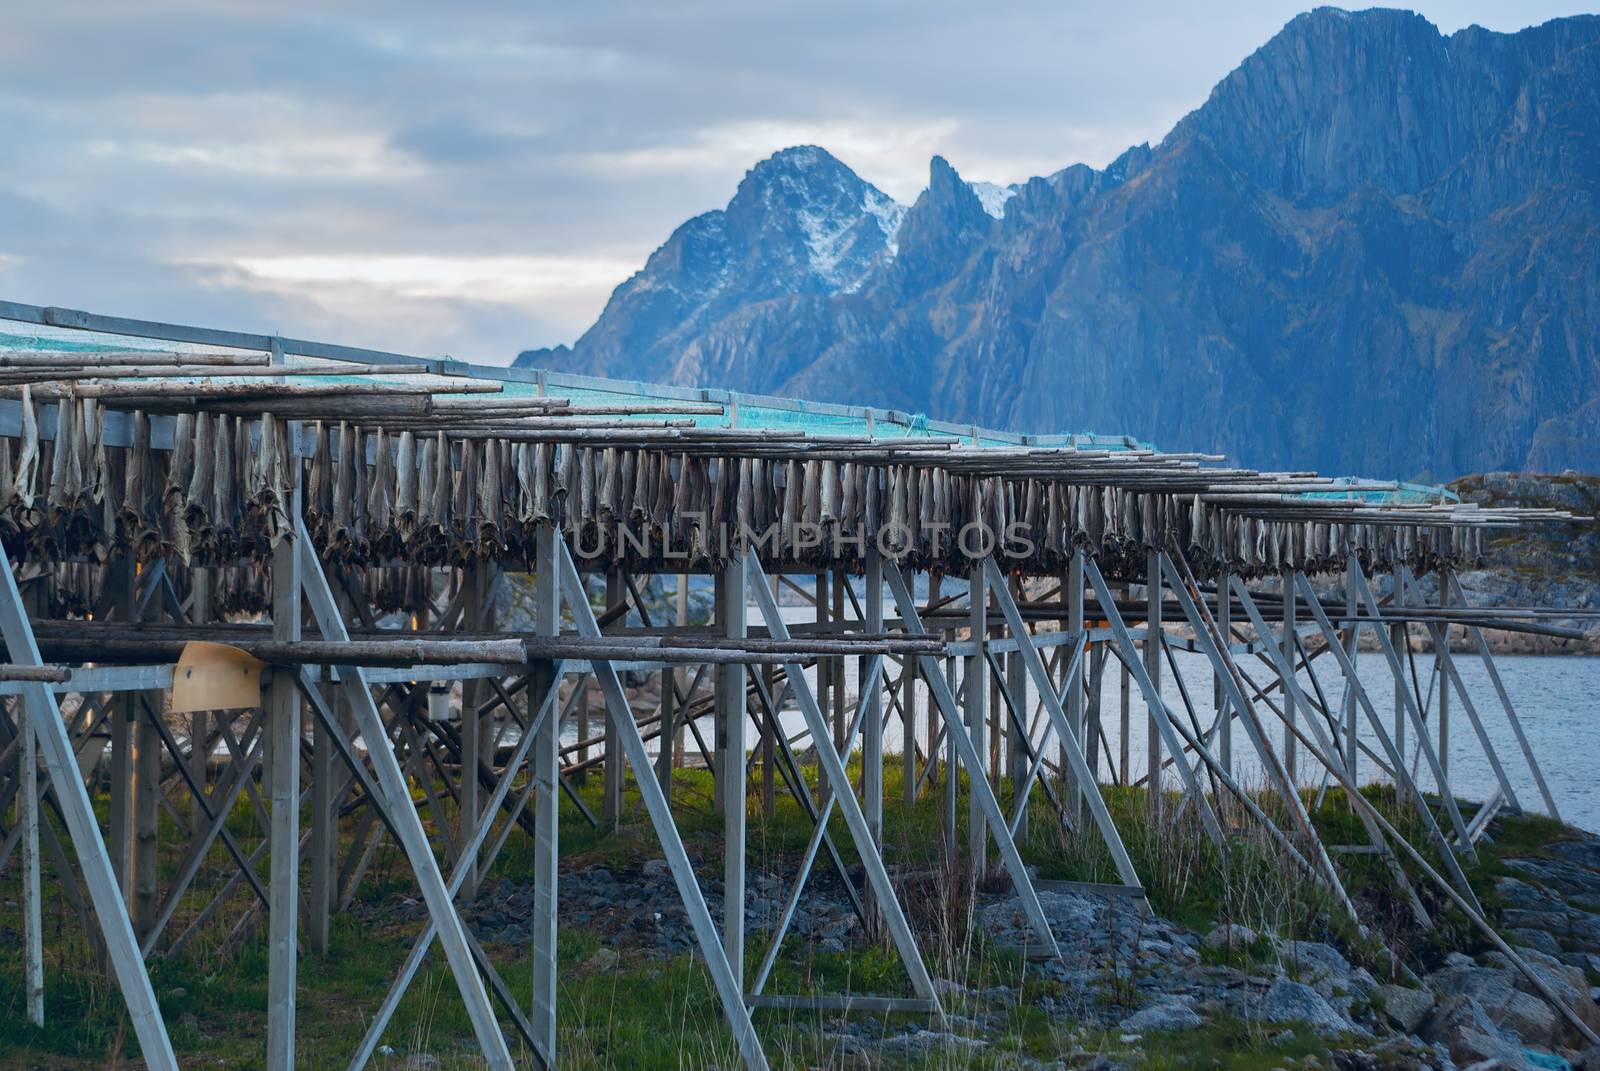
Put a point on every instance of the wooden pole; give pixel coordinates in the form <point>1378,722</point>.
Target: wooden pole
<point>283,750</point>
<point>1154,637</point>
<point>613,743</point>
<point>977,691</point>
<point>731,604</point>
<point>32,912</point>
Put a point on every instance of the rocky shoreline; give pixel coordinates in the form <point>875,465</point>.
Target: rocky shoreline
<point>1129,985</point>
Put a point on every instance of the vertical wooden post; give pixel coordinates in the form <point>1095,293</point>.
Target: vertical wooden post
<point>283,749</point>
<point>1072,593</point>
<point>324,834</point>
<point>669,717</point>
<point>145,788</point>
<point>1399,639</point>
<point>125,706</point>
<point>841,715</point>
<point>32,908</point>
<point>1219,694</point>
<point>546,761</point>
<point>146,811</point>
<point>613,742</point>
<point>996,728</point>
<point>1290,656</point>
<point>732,600</point>
<point>770,727</point>
<point>1094,727</point>
<point>1017,752</point>
<point>825,665</point>
<point>1352,633</point>
<point>200,720</point>
<point>1154,637</point>
<point>477,579</point>
<point>1440,658</point>
<point>682,617</point>
<point>908,728</point>
<point>1125,714</point>
<point>667,742</point>
<point>872,722</point>
<point>585,719</point>
<point>977,690</point>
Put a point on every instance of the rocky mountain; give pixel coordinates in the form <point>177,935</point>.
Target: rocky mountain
<point>1372,250</point>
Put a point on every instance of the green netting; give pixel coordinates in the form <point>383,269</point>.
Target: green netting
<point>1407,494</point>
<point>785,414</point>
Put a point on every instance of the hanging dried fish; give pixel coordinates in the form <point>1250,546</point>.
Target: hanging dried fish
<point>22,487</point>
<point>179,472</point>
<point>379,497</point>
<point>491,522</point>
<point>405,494</point>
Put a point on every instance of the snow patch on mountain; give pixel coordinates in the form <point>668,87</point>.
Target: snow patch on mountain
<point>993,197</point>
<point>888,212</point>
<point>827,239</point>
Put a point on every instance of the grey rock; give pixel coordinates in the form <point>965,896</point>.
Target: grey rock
<point>1406,1008</point>
<point>1294,1002</point>
<point>1160,1017</point>
<point>1495,991</point>
<point>1319,965</point>
<point>920,1042</point>
<point>604,959</point>
<point>1585,853</point>
<point>1559,874</point>
<point>1231,935</point>
<point>1566,981</point>
<point>1534,940</point>
<point>1519,894</point>
<point>1463,1026</point>
<point>1553,919</point>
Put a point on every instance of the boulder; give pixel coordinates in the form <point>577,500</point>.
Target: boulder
<point>1559,874</point>
<point>1293,1002</point>
<point>1462,1025</point>
<point>1313,955</point>
<point>1495,990</point>
<point>1523,896</point>
<point>1536,940</point>
<point>1567,982</point>
<point>604,959</point>
<point>1231,935</point>
<point>1170,1016</point>
<point>1403,1007</point>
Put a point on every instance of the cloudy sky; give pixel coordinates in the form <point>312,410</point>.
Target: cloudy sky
<point>473,179</point>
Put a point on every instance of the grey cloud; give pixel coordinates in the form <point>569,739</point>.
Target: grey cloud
<point>150,152</point>
<point>454,140</point>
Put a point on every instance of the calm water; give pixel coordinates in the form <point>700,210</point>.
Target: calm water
<point>1557,699</point>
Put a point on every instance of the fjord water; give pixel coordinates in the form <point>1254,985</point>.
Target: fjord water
<point>1556,698</point>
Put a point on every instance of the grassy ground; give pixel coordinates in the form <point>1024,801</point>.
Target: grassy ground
<point>663,1013</point>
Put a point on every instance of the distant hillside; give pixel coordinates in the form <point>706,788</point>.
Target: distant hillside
<point>1372,250</point>
<point>1555,565</point>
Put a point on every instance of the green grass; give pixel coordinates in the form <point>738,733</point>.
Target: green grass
<point>663,1013</point>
